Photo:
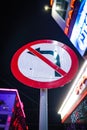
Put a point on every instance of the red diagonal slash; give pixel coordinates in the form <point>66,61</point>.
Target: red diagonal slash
<point>51,64</point>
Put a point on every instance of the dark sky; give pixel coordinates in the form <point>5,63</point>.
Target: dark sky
<point>23,22</point>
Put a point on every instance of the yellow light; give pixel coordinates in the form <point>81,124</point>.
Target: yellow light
<point>46,8</point>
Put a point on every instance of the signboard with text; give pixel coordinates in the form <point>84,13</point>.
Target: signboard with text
<point>79,32</point>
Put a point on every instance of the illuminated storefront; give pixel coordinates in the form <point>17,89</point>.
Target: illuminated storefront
<point>74,107</point>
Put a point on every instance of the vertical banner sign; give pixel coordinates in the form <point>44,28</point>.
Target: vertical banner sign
<point>44,64</point>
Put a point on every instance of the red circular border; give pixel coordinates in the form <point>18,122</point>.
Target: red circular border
<point>37,84</point>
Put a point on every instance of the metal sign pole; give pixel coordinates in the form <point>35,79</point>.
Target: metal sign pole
<point>43,112</point>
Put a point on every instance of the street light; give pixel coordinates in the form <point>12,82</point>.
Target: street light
<point>46,8</point>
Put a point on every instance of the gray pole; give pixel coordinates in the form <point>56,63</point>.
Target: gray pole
<point>43,112</point>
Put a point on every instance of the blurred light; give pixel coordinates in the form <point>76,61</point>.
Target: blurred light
<point>46,7</point>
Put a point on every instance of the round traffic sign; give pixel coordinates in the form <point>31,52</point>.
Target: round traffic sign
<point>44,64</point>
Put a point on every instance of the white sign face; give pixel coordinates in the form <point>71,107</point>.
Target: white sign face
<point>36,69</point>
<point>46,63</point>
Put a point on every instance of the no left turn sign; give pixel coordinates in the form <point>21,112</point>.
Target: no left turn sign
<point>44,64</point>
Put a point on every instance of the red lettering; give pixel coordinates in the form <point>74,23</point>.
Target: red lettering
<point>68,22</point>
<point>51,2</point>
<point>72,3</point>
<point>69,16</point>
<point>80,85</point>
<point>70,13</point>
<point>66,30</point>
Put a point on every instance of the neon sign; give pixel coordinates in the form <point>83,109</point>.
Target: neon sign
<point>79,32</point>
<point>82,38</point>
<point>75,95</point>
<point>69,16</point>
<point>81,86</point>
<point>51,2</point>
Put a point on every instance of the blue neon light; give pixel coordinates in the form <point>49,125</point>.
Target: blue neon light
<point>79,32</point>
